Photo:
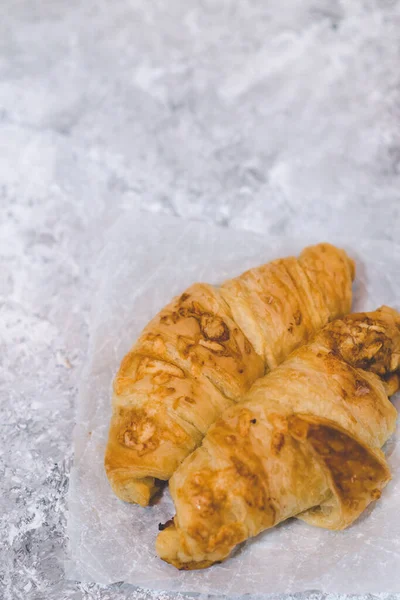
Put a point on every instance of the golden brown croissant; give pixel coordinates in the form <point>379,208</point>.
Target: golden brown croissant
<point>305,442</point>
<point>202,353</point>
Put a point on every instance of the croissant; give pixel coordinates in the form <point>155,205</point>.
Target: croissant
<point>203,352</point>
<point>304,443</point>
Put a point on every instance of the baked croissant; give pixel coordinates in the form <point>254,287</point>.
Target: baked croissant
<point>304,443</point>
<point>203,352</point>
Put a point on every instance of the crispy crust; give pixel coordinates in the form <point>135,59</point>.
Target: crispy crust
<point>305,442</point>
<point>202,353</point>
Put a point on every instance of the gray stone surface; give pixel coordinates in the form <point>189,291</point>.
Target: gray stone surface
<point>281,118</point>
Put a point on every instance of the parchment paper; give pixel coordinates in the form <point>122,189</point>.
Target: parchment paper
<point>148,260</point>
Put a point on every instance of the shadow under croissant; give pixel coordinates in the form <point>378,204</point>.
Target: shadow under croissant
<point>158,495</point>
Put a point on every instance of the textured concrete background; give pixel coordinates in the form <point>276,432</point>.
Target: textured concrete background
<point>282,118</point>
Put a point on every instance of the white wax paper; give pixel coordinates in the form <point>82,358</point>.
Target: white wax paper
<point>147,260</point>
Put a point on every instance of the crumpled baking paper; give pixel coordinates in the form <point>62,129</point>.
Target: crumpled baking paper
<point>148,260</point>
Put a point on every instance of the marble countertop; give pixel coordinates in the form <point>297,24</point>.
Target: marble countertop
<point>278,118</point>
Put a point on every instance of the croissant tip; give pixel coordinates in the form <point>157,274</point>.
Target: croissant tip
<point>130,489</point>
<point>167,543</point>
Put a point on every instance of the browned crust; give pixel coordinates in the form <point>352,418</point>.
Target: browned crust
<point>200,354</point>
<point>270,457</point>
